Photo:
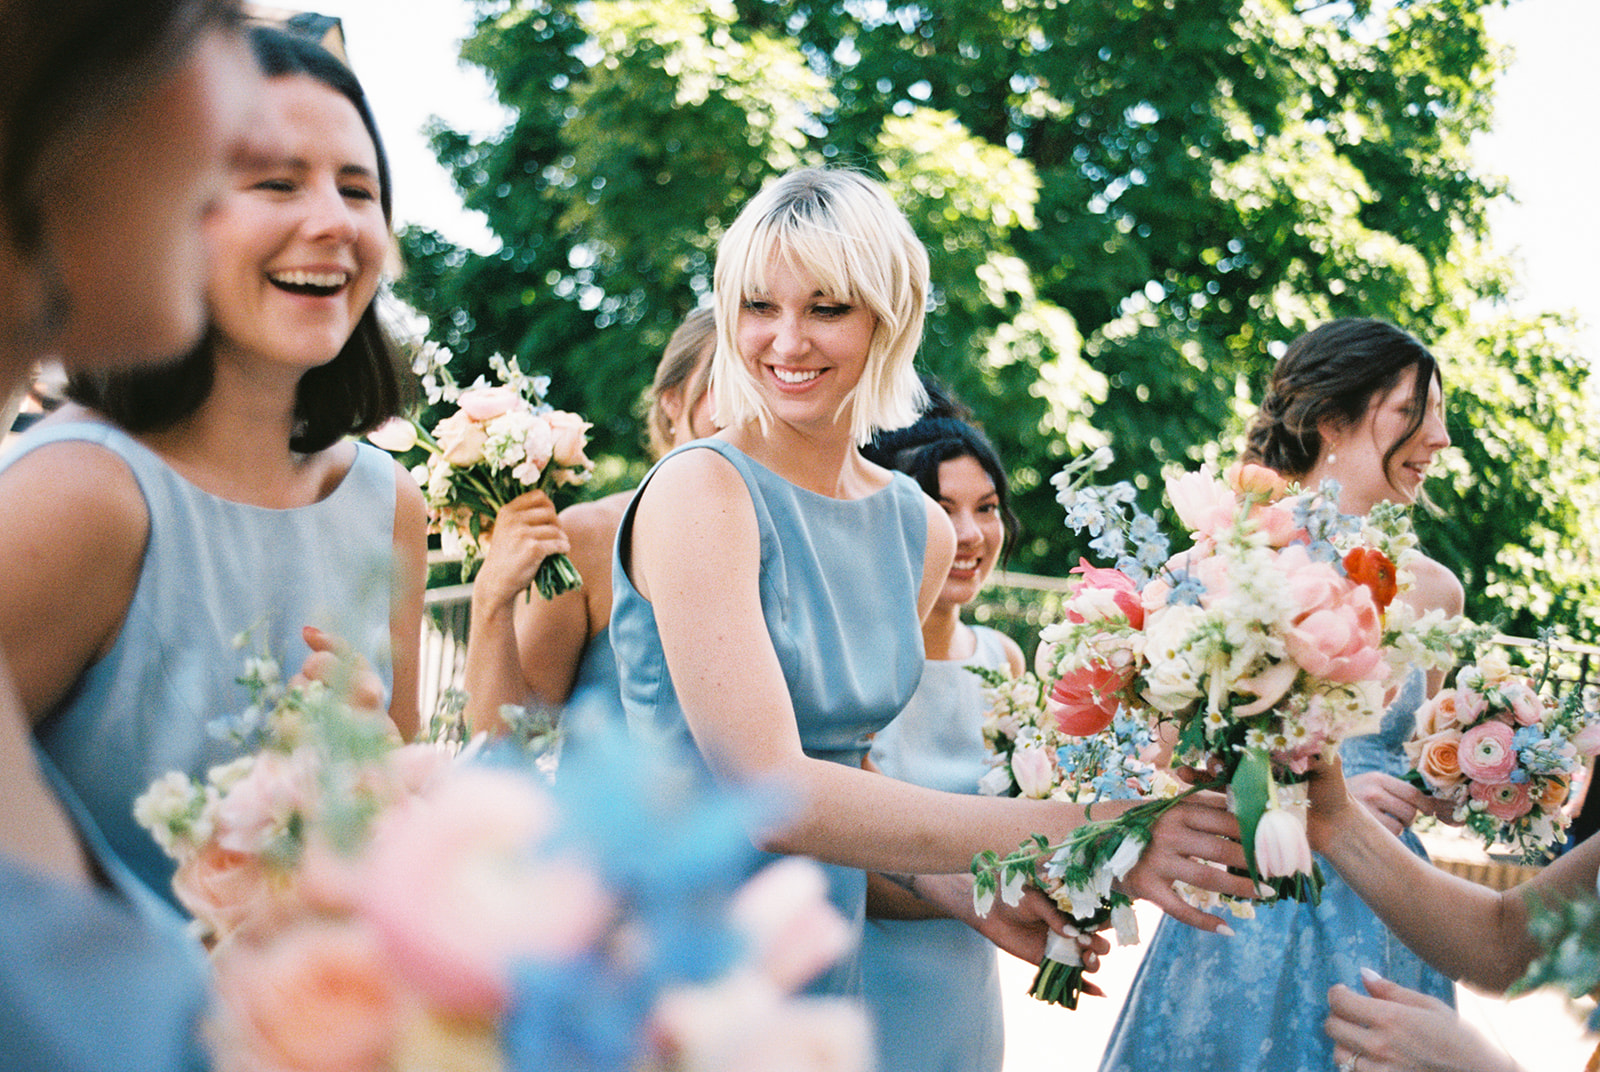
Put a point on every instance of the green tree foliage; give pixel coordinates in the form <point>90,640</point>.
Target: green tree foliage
<point>1130,205</point>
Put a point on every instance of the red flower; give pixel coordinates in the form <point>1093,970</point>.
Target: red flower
<point>1371,567</point>
<point>1084,701</point>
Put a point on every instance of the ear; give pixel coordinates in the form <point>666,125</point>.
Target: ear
<point>671,403</point>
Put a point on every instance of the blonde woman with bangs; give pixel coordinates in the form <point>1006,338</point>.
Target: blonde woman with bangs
<point>770,582</point>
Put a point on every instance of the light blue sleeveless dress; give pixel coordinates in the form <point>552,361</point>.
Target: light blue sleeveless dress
<point>932,986</point>
<point>1257,1001</point>
<point>839,583</point>
<point>213,569</point>
<point>95,979</point>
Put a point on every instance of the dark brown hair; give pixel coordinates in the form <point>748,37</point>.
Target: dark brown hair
<point>366,383</point>
<point>1332,373</point>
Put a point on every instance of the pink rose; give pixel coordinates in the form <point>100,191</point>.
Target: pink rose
<point>538,443</point>
<point>317,997</point>
<point>1281,847</point>
<point>1202,502</point>
<point>1335,634</point>
<point>1506,801</point>
<point>570,433</point>
<point>1084,701</point>
<point>461,439</point>
<point>226,890</point>
<point>1278,522</point>
<point>456,888</point>
<point>1438,712</point>
<point>1470,705</point>
<point>794,931</point>
<point>1485,753</point>
<point>1115,586</point>
<point>395,435</point>
<point>486,403</point>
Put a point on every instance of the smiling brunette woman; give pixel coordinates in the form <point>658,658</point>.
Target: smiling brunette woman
<point>771,582</point>
<point>220,497</point>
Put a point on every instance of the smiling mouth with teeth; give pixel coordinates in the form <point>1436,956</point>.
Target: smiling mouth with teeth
<point>793,376</point>
<point>316,284</point>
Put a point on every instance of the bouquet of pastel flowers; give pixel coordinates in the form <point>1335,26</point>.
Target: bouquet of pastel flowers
<point>378,906</point>
<point>501,441</point>
<point>1250,655</point>
<point>1503,754</point>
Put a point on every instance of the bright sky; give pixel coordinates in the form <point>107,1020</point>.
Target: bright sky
<point>1545,143</point>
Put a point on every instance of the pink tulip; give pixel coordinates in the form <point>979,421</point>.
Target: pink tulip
<point>1123,592</point>
<point>1281,845</point>
<point>1203,503</point>
<point>1084,701</point>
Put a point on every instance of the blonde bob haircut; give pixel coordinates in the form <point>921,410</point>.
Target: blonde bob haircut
<point>842,230</point>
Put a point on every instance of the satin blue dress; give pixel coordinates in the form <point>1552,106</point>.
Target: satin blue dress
<point>95,979</point>
<point>932,986</point>
<point>1257,1001</point>
<point>594,705</point>
<point>213,569</point>
<point>838,589</point>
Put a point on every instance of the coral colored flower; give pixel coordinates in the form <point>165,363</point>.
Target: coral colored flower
<point>1486,753</point>
<point>1371,567</point>
<point>1257,480</point>
<point>1554,792</point>
<point>1504,800</point>
<point>226,890</point>
<point>1118,586</point>
<point>1084,701</point>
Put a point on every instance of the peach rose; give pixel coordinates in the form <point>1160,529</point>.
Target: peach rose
<point>1249,478</point>
<point>225,890</point>
<point>570,433</point>
<point>1438,758</point>
<point>317,997</point>
<point>487,403</point>
<point>461,439</point>
<point>395,435</point>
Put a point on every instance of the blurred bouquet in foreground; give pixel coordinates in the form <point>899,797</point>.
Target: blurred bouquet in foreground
<point>501,441</point>
<point>387,907</point>
<point>1504,754</point>
<point>1250,655</point>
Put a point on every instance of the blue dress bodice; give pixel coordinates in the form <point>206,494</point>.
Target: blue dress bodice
<point>213,570</point>
<point>838,586</point>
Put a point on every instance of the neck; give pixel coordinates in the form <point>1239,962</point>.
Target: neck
<point>942,630</point>
<point>1349,503</point>
<point>827,463</point>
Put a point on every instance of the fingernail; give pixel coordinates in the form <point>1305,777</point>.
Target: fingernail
<point>1224,930</point>
<point>1069,931</point>
<point>1370,976</point>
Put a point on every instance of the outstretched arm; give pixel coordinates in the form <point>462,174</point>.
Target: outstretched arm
<point>1467,931</point>
<point>695,554</point>
<point>405,614</point>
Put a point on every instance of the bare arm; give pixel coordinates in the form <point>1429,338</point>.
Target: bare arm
<point>1467,931</point>
<point>525,534</point>
<point>72,540</point>
<point>405,613</point>
<point>552,633</point>
<point>695,555</point>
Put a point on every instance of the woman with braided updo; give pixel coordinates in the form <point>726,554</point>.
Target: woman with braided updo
<point>1359,402</point>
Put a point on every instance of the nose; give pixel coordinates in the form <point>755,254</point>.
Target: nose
<point>788,336</point>
<point>327,213</point>
<point>966,526</point>
<point>1434,432</point>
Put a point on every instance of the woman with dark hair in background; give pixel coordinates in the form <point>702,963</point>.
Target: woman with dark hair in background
<point>220,497</point>
<point>932,983</point>
<point>1359,402</point>
<point>117,119</point>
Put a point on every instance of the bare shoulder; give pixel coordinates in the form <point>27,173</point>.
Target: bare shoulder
<point>1435,587</point>
<point>693,482</point>
<point>595,522</point>
<point>409,503</point>
<point>76,491</point>
<point>1015,662</point>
